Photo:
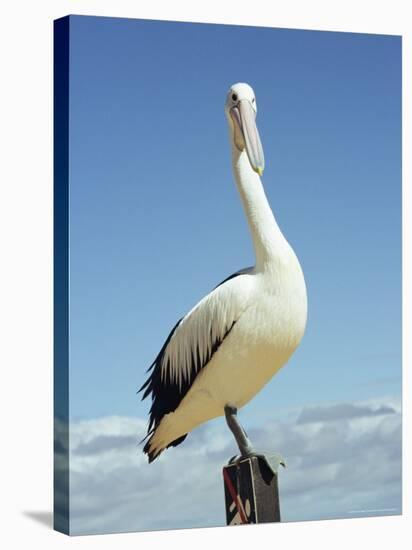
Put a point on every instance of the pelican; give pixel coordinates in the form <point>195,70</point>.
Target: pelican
<point>224,350</point>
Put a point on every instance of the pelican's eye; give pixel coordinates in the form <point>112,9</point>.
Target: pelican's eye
<point>234,97</point>
<point>253,100</point>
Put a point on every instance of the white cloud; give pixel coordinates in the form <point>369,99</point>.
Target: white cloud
<point>344,459</point>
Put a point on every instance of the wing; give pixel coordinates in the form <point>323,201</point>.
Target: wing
<point>192,343</point>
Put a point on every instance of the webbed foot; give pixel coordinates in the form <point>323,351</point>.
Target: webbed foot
<point>271,459</point>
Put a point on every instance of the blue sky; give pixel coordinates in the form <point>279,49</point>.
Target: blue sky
<point>156,222</point>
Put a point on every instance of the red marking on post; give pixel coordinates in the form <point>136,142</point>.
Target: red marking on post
<point>234,496</point>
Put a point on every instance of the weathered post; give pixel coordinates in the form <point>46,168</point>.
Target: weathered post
<point>251,492</point>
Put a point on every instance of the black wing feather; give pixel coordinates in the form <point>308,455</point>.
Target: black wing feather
<point>167,394</point>
<point>235,274</point>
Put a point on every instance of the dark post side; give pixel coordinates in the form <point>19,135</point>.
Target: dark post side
<point>251,492</point>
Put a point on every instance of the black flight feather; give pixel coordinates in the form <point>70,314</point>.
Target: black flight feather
<point>167,394</point>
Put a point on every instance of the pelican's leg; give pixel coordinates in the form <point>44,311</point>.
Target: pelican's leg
<point>273,460</point>
<point>242,440</point>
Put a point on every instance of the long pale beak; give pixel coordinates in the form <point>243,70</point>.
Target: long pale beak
<point>247,135</point>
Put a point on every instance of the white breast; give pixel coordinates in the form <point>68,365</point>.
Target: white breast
<point>262,340</point>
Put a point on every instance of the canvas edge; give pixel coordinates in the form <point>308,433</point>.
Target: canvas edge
<point>61,478</point>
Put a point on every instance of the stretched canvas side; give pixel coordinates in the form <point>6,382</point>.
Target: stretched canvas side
<point>61,275</point>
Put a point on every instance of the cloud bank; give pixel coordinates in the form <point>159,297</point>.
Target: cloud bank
<point>343,460</point>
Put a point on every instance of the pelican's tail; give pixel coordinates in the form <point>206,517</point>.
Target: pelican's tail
<point>161,438</point>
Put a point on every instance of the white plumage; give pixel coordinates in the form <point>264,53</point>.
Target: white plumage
<point>237,337</point>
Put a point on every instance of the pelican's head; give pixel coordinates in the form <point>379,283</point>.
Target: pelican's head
<point>240,109</point>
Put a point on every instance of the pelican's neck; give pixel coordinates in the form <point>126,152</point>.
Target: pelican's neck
<point>269,243</point>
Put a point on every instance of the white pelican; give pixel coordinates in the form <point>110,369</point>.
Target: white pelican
<point>224,350</point>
